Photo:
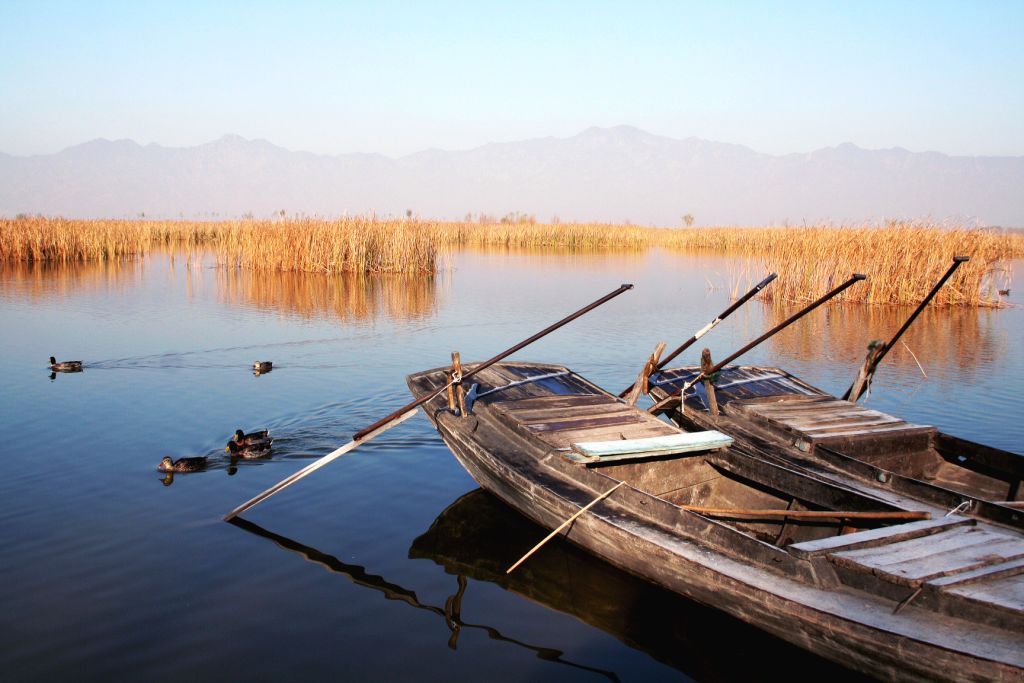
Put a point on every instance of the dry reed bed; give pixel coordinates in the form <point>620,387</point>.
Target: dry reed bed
<point>902,259</point>
<point>346,245</point>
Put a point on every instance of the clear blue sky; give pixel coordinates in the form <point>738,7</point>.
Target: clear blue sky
<point>400,77</point>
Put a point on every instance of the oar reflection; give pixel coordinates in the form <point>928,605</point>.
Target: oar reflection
<point>450,613</point>
<point>478,536</point>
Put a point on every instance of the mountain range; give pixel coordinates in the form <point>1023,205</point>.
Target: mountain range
<point>602,174</point>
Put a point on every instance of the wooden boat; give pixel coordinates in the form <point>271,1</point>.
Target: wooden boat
<point>771,412</point>
<point>932,599</point>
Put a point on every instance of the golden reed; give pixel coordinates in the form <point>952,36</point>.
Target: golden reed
<point>902,259</point>
<point>349,245</point>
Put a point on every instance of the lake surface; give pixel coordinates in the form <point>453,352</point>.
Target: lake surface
<point>111,570</point>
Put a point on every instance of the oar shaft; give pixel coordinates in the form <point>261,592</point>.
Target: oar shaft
<point>721,316</point>
<point>805,514</point>
<point>486,364</point>
<point>857,277</point>
<point>957,260</point>
<point>707,328</point>
<point>679,395</point>
<point>660,405</point>
<point>563,525</point>
<point>314,466</point>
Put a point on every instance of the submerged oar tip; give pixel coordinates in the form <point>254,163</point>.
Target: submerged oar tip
<point>860,276</point>
<point>961,259</point>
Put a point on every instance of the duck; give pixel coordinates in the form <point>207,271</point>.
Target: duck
<point>258,450</point>
<point>182,464</point>
<point>262,366</point>
<point>65,366</point>
<point>252,441</point>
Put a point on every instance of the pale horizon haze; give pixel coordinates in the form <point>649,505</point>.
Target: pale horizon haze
<point>396,78</point>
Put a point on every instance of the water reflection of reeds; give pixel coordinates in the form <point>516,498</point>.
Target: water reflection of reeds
<point>342,297</point>
<point>951,337</point>
<point>41,280</point>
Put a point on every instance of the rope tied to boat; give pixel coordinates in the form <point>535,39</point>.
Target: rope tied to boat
<point>962,507</point>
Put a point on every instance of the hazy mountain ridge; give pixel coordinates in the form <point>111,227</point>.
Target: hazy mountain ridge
<point>605,174</point>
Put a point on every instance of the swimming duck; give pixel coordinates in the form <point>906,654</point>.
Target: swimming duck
<point>65,366</point>
<point>182,464</point>
<point>253,440</point>
<point>257,450</point>
<point>262,366</point>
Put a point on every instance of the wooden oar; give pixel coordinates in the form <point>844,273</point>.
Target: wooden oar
<point>678,396</point>
<point>563,525</point>
<point>317,464</point>
<point>861,386</point>
<point>707,328</point>
<point>805,514</point>
<point>408,410</point>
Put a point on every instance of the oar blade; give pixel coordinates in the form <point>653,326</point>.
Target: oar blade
<point>314,466</point>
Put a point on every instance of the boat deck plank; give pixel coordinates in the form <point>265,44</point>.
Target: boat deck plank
<point>820,418</point>
<point>951,552</point>
<point>563,420</point>
<point>1006,593</point>
<point>983,574</point>
<point>584,422</point>
<point>875,537</point>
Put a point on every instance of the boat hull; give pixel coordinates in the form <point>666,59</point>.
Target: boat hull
<point>801,603</point>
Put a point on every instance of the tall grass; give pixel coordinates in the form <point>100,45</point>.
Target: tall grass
<point>337,246</point>
<point>902,259</point>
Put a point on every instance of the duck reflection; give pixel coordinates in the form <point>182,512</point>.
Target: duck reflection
<point>450,613</point>
<point>479,537</point>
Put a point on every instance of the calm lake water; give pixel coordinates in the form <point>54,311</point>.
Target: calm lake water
<point>386,564</point>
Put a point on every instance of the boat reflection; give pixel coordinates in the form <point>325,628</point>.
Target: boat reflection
<point>450,613</point>
<point>479,537</point>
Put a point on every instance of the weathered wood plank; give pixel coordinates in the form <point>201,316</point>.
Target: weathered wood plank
<point>864,426</point>
<point>538,414</point>
<point>913,562</point>
<point>876,537</point>
<point>848,424</point>
<point>786,407</point>
<point>914,572</point>
<point>1007,593</point>
<point>639,430</point>
<point>895,553</point>
<point>553,401</point>
<point>814,419</point>
<point>585,422</point>
<point>902,430</point>
<point>990,573</point>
